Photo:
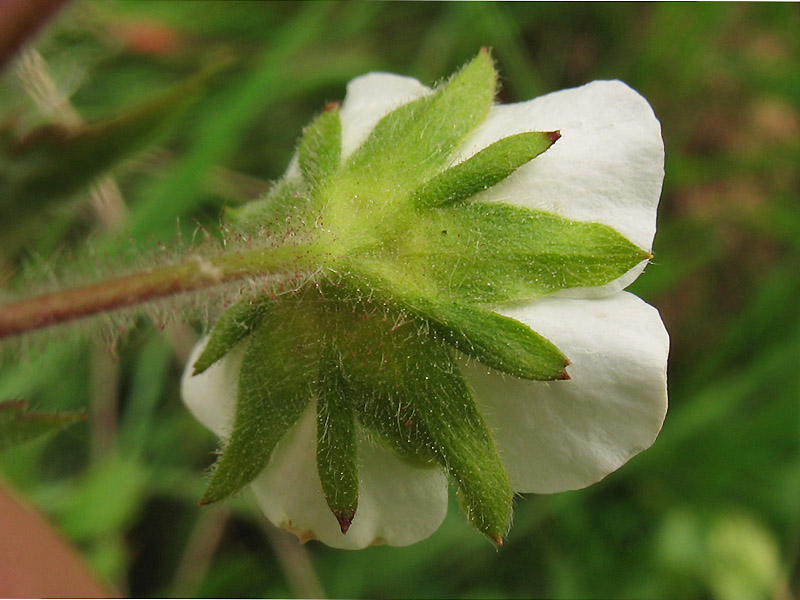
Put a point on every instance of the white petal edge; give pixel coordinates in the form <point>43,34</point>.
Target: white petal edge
<point>211,395</point>
<point>608,166</point>
<point>369,98</point>
<point>565,435</point>
<point>399,504</point>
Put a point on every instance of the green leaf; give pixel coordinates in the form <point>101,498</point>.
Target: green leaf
<point>499,342</point>
<point>485,169</point>
<point>408,390</point>
<point>276,382</point>
<point>320,148</point>
<point>42,167</point>
<point>18,424</point>
<point>416,140</point>
<point>336,444</point>
<point>233,326</point>
<point>492,253</point>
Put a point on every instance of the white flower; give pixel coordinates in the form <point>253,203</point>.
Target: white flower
<point>552,436</point>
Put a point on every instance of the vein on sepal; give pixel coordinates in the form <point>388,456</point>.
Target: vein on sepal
<point>336,442</point>
<point>490,253</point>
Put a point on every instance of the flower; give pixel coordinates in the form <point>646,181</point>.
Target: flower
<point>562,433</point>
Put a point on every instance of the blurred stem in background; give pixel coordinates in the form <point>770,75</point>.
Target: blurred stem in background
<point>106,197</point>
<point>20,20</point>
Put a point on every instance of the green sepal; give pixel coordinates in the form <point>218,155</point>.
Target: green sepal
<point>276,382</point>
<point>320,148</point>
<point>336,444</point>
<point>18,424</point>
<point>408,391</point>
<point>417,139</point>
<point>483,170</point>
<point>493,253</point>
<point>497,341</point>
<point>233,326</point>
<point>272,215</point>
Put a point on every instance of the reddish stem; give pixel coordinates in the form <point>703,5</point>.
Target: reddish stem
<point>61,306</point>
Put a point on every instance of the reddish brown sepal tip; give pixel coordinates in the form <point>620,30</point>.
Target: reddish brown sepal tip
<point>345,519</point>
<point>330,106</point>
<point>497,540</point>
<point>553,136</point>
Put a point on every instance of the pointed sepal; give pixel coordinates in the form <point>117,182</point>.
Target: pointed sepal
<point>497,341</point>
<point>320,148</point>
<point>492,253</point>
<point>416,140</point>
<point>276,383</point>
<point>485,169</point>
<point>233,326</point>
<point>336,444</point>
<point>408,391</point>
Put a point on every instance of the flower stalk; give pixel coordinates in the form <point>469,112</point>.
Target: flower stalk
<point>196,273</point>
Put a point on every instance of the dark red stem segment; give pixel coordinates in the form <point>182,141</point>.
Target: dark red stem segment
<point>57,307</point>
<point>106,296</point>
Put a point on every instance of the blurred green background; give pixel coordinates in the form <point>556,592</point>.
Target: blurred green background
<point>712,510</point>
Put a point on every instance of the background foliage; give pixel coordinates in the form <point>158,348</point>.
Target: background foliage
<point>711,511</point>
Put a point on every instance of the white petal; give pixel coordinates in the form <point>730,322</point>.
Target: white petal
<point>398,504</point>
<point>608,166</point>
<point>211,395</point>
<point>369,98</point>
<point>564,435</point>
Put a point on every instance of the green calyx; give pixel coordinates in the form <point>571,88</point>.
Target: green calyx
<point>369,367</point>
<point>413,263</point>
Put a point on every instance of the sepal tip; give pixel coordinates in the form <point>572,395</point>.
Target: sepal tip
<point>345,519</point>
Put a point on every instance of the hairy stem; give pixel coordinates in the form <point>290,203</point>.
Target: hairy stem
<point>195,274</point>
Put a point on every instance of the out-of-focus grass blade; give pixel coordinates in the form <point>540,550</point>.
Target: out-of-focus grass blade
<point>224,126</point>
<point>18,424</point>
<point>20,20</point>
<point>39,169</point>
